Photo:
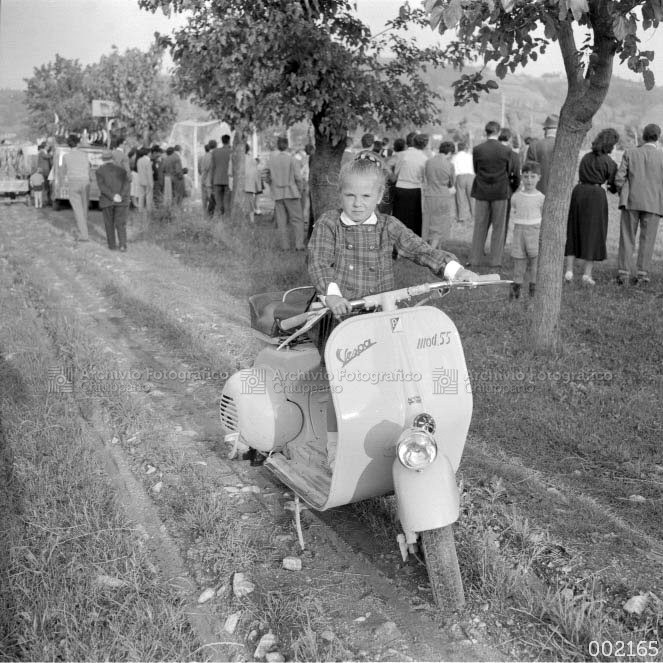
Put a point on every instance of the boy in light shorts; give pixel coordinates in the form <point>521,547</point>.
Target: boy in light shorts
<point>526,208</point>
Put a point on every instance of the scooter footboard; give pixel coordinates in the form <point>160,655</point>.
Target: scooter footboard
<point>428,499</point>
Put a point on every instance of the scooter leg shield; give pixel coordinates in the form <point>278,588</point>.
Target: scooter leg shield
<point>427,499</point>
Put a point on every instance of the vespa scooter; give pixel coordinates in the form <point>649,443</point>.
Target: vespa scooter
<point>387,412</point>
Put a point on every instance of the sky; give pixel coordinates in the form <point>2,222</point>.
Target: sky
<point>33,31</point>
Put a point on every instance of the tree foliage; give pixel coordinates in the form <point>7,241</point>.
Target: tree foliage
<point>132,80</point>
<point>512,33</point>
<point>58,89</point>
<point>265,62</point>
<point>61,92</point>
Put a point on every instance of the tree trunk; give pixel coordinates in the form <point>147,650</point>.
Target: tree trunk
<point>547,303</point>
<point>586,94</point>
<point>239,210</point>
<point>324,168</point>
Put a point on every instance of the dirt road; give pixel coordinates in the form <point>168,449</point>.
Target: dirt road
<point>153,342</point>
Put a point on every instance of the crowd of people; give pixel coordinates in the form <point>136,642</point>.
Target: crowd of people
<point>351,249</point>
<point>500,181</point>
<point>504,181</point>
<point>139,177</point>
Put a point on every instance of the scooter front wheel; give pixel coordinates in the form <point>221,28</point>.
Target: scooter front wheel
<point>443,571</point>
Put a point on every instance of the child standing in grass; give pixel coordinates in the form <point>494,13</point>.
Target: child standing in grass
<point>350,250</point>
<point>37,188</point>
<point>526,208</point>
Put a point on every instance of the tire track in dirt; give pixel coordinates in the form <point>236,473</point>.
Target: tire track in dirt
<point>192,406</point>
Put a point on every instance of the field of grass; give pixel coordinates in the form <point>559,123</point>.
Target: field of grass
<point>559,443</point>
<point>595,403</point>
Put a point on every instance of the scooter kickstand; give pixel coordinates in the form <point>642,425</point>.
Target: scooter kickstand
<point>298,522</point>
<point>238,446</point>
<point>402,544</point>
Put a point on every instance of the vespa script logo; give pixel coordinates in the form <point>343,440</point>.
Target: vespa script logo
<point>346,355</point>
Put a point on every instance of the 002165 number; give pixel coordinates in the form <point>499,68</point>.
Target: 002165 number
<point>624,649</point>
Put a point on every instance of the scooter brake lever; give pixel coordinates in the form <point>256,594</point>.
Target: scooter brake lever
<point>435,293</point>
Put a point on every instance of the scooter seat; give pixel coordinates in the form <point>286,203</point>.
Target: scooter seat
<point>268,309</point>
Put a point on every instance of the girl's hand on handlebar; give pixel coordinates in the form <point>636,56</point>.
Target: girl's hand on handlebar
<point>465,275</point>
<point>338,305</point>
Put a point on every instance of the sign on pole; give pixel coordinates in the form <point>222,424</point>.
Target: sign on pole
<point>104,108</point>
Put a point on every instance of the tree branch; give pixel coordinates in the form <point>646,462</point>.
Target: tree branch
<point>567,45</point>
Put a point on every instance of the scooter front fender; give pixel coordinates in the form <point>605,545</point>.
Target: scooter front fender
<point>427,499</point>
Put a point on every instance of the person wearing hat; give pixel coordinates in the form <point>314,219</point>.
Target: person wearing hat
<point>114,187</point>
<point>541,151</point>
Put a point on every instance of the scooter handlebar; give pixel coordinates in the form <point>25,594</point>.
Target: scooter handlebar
<point>481,279</point>
<point>295,321</point>
<point>371,301</point>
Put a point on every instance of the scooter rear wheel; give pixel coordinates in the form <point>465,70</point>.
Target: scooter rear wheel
<point>443,570</point>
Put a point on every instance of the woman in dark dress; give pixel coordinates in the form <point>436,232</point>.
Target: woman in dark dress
<point>587,226</point>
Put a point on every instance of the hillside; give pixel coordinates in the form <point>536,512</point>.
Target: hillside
<point>527,101</point>
<point>12,115</point>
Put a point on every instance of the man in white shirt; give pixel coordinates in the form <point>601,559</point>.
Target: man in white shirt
<point>462,163</point>
<point>145,180</point>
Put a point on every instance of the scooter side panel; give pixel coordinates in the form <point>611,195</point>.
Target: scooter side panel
<point>385,368</point>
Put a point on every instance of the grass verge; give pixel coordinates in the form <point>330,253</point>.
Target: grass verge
<point>193,504</point>
<point>586,419</point>
<point>78,579</point>
<point>245,257</point>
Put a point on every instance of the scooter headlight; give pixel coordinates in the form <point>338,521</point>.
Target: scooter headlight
<point>416,448</point>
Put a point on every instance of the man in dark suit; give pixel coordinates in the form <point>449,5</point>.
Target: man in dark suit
<point>114,188</point>
<point>541,151</point>
<point>220,174</point>
<point>640,177</point>
<point>494,172</point>
<point>506,137</point>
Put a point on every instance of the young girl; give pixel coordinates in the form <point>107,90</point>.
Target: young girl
<point>37,188</point>
<point>350,250</point>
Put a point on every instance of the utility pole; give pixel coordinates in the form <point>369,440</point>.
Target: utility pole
<point>502,116</point>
